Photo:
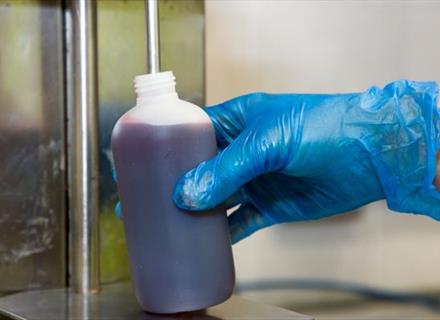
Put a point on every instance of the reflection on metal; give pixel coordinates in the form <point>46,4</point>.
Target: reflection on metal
<point>83,148</point>
<point>152,24</point>
<point>121,56</point>
<point>32,184</point>
<point>117,302</point>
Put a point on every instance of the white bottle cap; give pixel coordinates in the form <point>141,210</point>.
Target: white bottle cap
<point>152,85</point>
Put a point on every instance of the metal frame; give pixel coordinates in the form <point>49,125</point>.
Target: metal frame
<point>116,300</point>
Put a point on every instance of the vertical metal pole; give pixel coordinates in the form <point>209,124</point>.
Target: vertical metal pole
<point>82,105</point>
<point>152,24</point>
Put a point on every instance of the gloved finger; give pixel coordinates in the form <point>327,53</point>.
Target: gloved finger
<point>118,210</point>
<point>254,152</point>
<point>230,117</point>
<point>227,119</point>
<point>245,221</point>
<point>424,203</point>
<point>432,208</point>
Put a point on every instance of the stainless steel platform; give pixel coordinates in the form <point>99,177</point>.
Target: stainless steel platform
<point>117,302</point>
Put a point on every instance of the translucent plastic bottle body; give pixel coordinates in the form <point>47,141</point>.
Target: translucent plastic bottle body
<point>180,261</point>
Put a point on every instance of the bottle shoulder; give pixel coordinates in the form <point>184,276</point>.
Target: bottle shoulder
<point>173,112</point>
<point>174,115</point>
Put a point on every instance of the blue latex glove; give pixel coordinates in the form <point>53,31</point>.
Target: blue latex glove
<point>118,210</point>
<point>295,157</point>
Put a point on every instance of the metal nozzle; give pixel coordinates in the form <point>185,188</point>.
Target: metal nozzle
<point>152,25</point>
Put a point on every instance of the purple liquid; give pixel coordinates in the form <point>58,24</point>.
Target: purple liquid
<point>180,261</point>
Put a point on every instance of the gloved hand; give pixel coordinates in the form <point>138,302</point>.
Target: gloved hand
<point>294,157</point>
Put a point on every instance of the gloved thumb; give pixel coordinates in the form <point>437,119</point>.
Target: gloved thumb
<point>254,152</point>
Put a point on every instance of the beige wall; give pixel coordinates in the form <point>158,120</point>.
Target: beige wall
<point>334,46</point>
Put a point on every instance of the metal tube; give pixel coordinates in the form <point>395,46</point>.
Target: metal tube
<point>82,110</point>
<point>152,24</point>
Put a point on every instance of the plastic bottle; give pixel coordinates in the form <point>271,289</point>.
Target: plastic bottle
<point>180,261</point>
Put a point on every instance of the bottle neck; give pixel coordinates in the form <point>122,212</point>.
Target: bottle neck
<point>155,87</point>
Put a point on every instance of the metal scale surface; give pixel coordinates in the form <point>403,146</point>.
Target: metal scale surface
<point>117,301</point>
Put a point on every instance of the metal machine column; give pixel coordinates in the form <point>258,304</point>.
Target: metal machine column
<point>82,106</point>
